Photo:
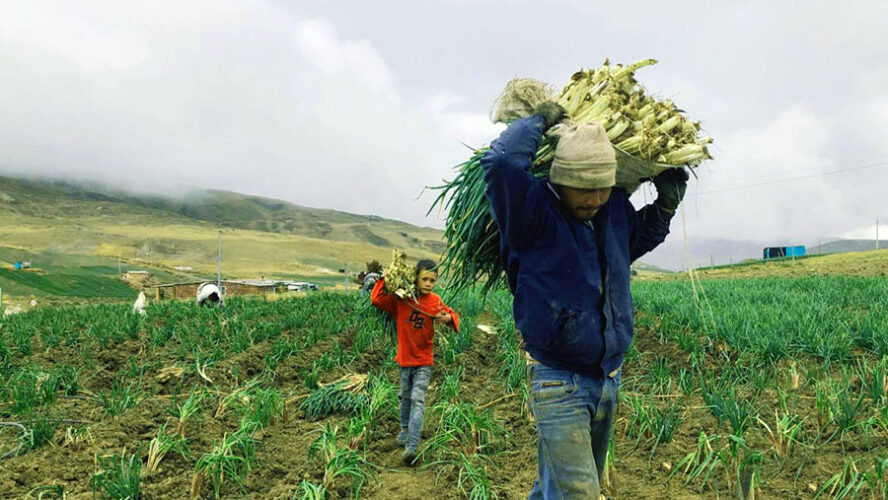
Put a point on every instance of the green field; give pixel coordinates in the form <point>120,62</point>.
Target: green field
<point>775,386</point>
<point>63,284</point>
<point>61,276</point>
<point>829,319</point>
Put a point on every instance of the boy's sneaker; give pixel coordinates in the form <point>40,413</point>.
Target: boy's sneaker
<point>408,456</point>
<point>402,438</point>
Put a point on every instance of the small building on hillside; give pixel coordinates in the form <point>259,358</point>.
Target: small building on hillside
<point>188,290</point>
<point>301,286</point>
<point>783,252</point>
<point>137,275</point>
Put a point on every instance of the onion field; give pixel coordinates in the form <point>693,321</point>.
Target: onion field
<point>753,388</point>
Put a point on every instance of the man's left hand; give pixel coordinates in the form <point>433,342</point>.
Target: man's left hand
<point>443,318</point>
<point>551,111</point>
<point>671,185</point>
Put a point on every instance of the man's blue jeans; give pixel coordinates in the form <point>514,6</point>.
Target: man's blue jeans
<point>414,386</point>
<point>574,414</point>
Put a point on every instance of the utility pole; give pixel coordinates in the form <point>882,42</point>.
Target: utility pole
<point>219,263</point>
<point>877,234</point>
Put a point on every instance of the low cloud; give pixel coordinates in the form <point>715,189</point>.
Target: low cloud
<point>358,107</point>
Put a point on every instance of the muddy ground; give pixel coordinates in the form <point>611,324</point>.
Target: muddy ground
<point>284,458</point>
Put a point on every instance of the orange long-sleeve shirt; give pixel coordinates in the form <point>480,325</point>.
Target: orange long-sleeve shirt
<point>415,323</point>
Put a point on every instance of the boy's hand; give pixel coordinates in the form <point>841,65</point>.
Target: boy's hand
<point>443,318</point>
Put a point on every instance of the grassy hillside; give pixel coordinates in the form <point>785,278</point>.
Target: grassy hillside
<point>840,246</point>
<point>58,200</point>
<point>643,269</point>
<point>871,263</point>
<point>260,236</point>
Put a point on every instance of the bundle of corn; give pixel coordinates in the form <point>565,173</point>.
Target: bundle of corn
<point>649,136</point>
<point>399,276</point>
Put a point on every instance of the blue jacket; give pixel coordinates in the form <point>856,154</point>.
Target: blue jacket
<point>570,278</point>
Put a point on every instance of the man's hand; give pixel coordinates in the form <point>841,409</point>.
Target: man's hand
<point>443,318</point>
<point>551,111</point>
<point>671,185</point>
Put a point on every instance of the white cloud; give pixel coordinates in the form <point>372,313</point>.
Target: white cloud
<point>321,46</point>
<point>324,102</point>
<point>272,105</point>
<point>472,129</point>
<point>868,232</point>
<point>753,190</point>
<point>64,33</point>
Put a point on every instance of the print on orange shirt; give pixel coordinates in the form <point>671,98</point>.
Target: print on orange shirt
<point>415,323</point>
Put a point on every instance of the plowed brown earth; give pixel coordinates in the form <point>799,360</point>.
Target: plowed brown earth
<point>284,459</point>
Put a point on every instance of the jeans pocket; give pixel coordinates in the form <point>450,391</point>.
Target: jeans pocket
<point>549,385</point>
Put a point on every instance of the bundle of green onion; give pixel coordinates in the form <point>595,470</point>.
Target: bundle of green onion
<point>400,276</point>
<point>649,135</point>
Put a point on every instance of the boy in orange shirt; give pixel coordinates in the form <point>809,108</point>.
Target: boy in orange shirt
<point>415,320</point>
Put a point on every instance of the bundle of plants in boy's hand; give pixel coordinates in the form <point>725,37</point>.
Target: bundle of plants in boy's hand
<point>649,135</point>
<point>400,276</point>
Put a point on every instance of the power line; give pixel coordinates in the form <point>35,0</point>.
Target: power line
<point>788,179</point>
<point>800,171</point>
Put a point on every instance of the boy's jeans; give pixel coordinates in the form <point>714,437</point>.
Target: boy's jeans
<point>414,386</point>
<point>573,415</point>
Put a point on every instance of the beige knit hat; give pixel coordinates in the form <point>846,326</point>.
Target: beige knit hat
<point>584,157</point>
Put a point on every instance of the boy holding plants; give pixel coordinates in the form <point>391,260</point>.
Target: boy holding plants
<point>415,320</point>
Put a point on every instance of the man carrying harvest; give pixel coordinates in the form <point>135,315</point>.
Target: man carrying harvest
<point>567,242</point>
<point>415,319</point>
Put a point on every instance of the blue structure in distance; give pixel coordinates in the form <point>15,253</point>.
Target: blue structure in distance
<point>783,252</point>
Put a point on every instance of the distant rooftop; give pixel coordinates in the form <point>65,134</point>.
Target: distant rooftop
<point>249,282</point>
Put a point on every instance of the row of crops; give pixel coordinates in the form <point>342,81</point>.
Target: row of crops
<point>793,371</point>
<point>774,386</point>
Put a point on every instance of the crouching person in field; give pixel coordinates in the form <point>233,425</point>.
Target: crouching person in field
<point>415,320</point>
<point>208,294</point>
<point>566,243</point>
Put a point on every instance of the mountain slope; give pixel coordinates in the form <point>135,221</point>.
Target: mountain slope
<point>840,246</point>
<point>261,236</point>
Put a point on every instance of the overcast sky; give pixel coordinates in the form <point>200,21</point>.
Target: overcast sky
<point>358,105</point>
